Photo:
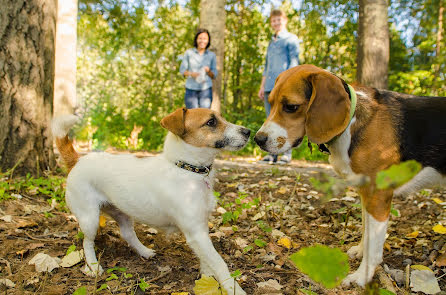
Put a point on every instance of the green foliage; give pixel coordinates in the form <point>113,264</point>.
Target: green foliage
<point>397,175</point>
<point>80,291</point>
<point>130,52</point>
<point>51,187</point>
<point>143,285</point>
<point>71,249</point>
<point>328,266</point>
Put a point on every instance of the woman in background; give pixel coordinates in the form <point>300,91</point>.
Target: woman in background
<point>199,66</point>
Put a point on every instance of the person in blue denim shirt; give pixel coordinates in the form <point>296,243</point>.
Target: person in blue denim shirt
<point>199,65</point>
<point>282,54</point>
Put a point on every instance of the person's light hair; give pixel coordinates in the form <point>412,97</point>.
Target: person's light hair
<point>277,12</point>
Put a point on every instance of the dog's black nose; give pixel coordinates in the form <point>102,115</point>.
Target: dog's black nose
<point>245,132</point>
<point>261,138</point>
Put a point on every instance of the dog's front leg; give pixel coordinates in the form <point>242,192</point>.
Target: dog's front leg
<point>376,216</point>
<point>201,244</point>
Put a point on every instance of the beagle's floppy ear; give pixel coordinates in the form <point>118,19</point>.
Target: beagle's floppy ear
<point>328,112</point>
<point>174,122</point>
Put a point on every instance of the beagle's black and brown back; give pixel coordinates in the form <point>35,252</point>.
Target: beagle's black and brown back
<point>418,124</point>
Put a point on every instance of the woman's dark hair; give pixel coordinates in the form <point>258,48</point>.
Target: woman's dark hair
<point>199,31</point>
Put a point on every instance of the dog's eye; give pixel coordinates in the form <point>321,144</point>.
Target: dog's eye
<point>290,108</point>
<point>212,122</point>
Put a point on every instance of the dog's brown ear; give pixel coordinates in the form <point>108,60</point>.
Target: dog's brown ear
<point>328,112</point>
<point>174,122</point>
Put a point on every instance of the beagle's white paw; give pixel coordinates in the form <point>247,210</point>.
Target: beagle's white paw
<point>359,277</point>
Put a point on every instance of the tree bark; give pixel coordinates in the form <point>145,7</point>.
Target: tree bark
<point>65,64</point>
<point>440,28</point>
<point>213,18</point>
<point>27,37</point>
<point>373,43</point>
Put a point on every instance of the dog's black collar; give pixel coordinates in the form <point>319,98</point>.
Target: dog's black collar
<point>192,168</point>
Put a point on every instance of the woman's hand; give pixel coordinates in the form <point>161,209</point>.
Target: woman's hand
<point>192,74</point>
<point>206,69</point>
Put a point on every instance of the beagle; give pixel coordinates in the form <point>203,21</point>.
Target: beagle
<point>366,130</point>
<point>172,191</point>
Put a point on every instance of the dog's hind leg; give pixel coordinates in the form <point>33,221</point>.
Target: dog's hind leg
<point>128,232</point>
<point>88,224</point>
<point>426,178</point>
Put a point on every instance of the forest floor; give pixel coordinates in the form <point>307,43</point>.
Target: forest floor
<point>287,204</point>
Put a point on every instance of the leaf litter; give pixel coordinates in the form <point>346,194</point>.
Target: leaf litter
<point>279,211</point>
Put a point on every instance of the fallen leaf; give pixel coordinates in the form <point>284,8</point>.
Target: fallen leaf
<point>270,285</point>
<point>72,259</point>
<point>180,293</point>
<point>438,201</point>
<point>44,262</point>
<point>282,190</point>
<point>22,252</point>
<point>26,223</point>
<point>424,281</point>
<point>208,286</point>
<point>102,221</point>
<point>420,267</point>
<point>441,260</point>
<point>8,283</point>
<point>285,242</point>
<point>6,218</point>
<point>241,243</point>
<point>413,235</point>
<point>439,229</point>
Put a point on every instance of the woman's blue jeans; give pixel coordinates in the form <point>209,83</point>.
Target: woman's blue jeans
<point>198,98</point>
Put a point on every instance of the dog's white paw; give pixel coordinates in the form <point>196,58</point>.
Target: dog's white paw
<point>359,277</point>
<point>146,253</point>
<point>355,251</point>
<point>96,270</point>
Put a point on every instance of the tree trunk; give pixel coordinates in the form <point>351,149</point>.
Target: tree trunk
<point>213,18</point>
<point>373,43</point>
<point>65,64</point>
<point>440,28</point>
<point>27,37</point>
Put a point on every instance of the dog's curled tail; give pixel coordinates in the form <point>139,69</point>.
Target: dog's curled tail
<point>60,127</point>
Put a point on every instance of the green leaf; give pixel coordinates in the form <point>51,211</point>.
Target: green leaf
<point>307,292</point>
<point>236,274</point>
<point>143,285</point>
<point>385,292</point>
<point>71,249</point>
<point>260,243</point>
<point>112,277</point>
<point>328,266</point>
<point>102,287</point>
<point>397,175</point>
<point>80,291</point>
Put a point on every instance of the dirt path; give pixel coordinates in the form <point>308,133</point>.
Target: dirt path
<point>287,204</point>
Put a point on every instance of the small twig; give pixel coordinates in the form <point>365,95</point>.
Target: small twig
<point>42,240</point>
<point>159,277</point>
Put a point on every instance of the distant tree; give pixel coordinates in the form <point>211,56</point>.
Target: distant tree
<point>373,43</point>
<point>27,30</point>
<point>213,18</point>
<point>65,64</point>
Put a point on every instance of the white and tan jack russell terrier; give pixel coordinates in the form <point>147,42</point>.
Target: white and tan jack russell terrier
<point>171,191</point>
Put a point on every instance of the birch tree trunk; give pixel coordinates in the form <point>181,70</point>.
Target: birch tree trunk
<point>213,18</point>
<point>65,69</point>
<point>373,43</point>
<point>27,34</point>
